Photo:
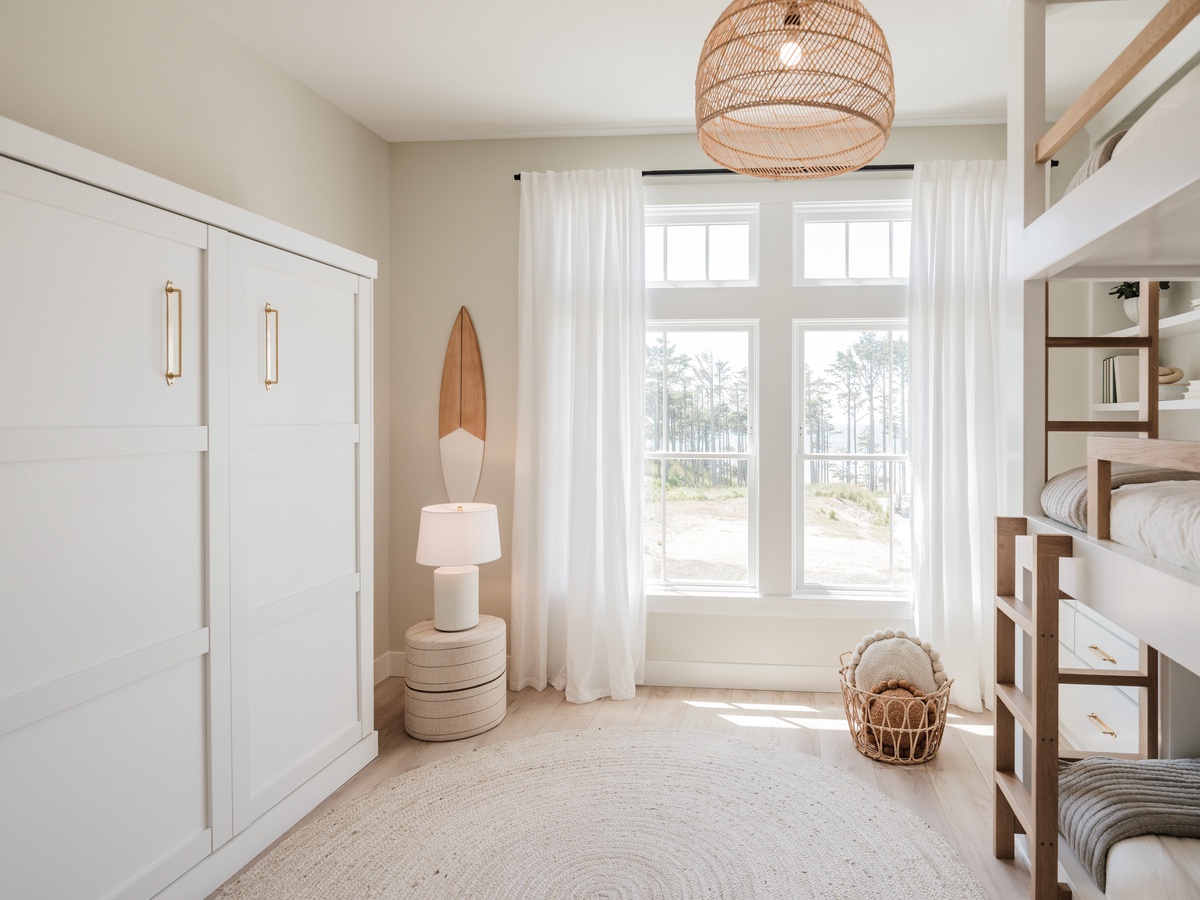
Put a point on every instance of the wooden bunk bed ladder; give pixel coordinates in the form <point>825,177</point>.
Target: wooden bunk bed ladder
<point>1030,805</point>
<point>1146,344</point>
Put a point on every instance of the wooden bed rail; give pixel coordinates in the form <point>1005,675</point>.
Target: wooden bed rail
<point>1104,451</point>
<point>1159,32</point>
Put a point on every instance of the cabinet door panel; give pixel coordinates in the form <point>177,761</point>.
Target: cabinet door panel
<point>303,689</point>
<point>84,308</point>
<point>296,516</point>
<point>106,557</point>
<point>107,789</point>
<point>302,513</point>
<point>315,334</point>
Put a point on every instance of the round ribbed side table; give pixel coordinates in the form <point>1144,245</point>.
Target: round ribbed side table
<point>454,684</point>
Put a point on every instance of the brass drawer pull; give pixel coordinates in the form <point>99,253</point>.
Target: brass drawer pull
<point>267,313</point>
<point>177,370</point>
<point>1100,723</point>
<point>1102,654</point>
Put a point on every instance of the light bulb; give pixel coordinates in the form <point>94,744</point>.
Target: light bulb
<point>790,54</point>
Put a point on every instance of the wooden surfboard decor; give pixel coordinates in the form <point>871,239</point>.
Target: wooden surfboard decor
<point>462,412</point>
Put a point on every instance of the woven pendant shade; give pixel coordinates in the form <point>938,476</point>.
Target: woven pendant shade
<point>794,88</point>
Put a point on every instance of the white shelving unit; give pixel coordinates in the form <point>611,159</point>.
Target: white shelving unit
<point>1163,406</point>
<point>1171,326</point>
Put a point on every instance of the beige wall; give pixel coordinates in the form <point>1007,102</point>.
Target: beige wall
<point>454,213</point>
<point>154,84</point>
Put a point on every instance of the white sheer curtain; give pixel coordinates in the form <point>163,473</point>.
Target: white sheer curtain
<point>578,601</point>
<point>955,294</point>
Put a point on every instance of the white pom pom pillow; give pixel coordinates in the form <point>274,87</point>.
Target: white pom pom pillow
<point>892,655</point>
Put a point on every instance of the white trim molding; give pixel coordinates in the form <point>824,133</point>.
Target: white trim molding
<point>389,665</point>
<point>741,676</point>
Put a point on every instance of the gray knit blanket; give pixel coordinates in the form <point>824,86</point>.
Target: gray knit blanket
<point>1102,801</point>
<point>1064,498</point>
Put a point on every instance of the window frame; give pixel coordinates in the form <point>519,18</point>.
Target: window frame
<point>751,456</point>
<point>707,214</point>
<point>800,458</point>
<point>847,212</point>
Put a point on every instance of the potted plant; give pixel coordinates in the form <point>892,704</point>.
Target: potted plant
<point>1129,291</point>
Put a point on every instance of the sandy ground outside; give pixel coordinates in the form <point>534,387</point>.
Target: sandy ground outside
<point>707,541</point>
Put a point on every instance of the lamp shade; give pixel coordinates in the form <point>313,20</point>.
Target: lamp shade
<point>794,88</point>
<point>458,534</point>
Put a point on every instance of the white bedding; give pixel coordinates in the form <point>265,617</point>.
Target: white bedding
<point>1162,519</point>
<point>1165,868</point>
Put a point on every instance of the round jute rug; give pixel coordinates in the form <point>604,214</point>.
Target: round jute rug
<point>616,813</point>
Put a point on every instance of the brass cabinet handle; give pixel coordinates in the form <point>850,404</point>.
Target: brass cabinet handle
<point>177,372</point>
<point>267,313</point>
<point>1103,655</point>
<point>1100,723</point>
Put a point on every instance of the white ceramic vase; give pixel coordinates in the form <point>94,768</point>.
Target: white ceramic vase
<point>1130,304</point>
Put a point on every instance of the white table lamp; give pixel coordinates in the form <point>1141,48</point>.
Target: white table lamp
<point>454,537</point>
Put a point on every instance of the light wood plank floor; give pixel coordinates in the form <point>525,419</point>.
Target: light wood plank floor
<point>952,793</point>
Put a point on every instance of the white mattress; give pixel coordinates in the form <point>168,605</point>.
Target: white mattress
<point>1162,519</point>
<point>1165,868</point>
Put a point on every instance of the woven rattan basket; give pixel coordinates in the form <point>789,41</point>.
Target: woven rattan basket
<point>902,731</point>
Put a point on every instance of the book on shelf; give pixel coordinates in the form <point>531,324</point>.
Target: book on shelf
<point>1125,379</point>
<point>1108,388</point>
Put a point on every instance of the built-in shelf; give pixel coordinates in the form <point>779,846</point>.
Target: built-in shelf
<point>1163,406</point>
<point>1184,323</point>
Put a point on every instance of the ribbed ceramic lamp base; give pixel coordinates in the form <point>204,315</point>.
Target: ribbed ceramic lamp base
<point>455,598</point>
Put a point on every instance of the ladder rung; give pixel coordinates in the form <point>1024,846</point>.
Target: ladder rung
<point>1097,343</point>
<point>1115,677</point>
<point>1018,798</point>
<point>1019,612</point>
<point>1097,425</point>
<point>1017,704</point>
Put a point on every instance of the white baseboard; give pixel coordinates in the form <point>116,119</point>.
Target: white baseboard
<point>742,676</point>
<point>672,673</point>
<point>389,664</point>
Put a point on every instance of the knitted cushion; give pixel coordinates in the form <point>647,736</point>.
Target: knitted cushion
<point>888,655</point>
<point>896,713</point>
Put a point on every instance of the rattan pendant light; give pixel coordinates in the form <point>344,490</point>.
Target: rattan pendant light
<point>794,88</point>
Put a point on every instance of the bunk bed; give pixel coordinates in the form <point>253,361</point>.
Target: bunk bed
<point>1137,215</point>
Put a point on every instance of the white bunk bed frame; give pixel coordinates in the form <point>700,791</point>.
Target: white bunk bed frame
<point>1138,216</point>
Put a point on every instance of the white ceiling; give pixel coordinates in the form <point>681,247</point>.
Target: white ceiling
<point>442,70</point>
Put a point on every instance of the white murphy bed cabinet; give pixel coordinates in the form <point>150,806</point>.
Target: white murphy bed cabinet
<point>185,568</point>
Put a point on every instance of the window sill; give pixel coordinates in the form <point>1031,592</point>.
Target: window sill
<point>729,603</point>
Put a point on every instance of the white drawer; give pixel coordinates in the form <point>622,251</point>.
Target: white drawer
<point>1066,622</point>
<point>1121,633</point>
<point>1086,712</point>
<point>1101,649</point>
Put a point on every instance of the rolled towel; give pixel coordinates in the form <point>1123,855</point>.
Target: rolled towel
<point>1171,376</point>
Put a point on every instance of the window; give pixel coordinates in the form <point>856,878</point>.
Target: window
<point>853,497</point>
<point>725,468</point>
<point>701,246</point>
<point>847,243</point>
<point>700,459</point>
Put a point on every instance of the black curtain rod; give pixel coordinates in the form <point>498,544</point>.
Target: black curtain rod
<point>879,167</point>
